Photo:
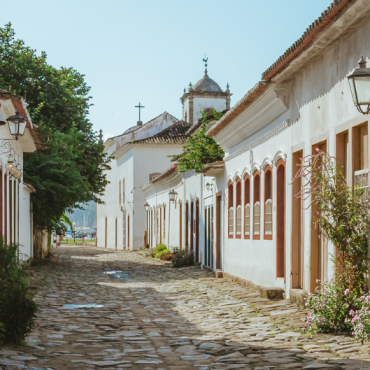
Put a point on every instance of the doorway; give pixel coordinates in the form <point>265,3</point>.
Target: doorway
<point>319,245</point>
<point>124,230</point>
<point>192,227</point>
<point>128,231</point>
<point>297,226</point>
<point>280,219</point>
<point>197,231</point>
<point>218,230</point>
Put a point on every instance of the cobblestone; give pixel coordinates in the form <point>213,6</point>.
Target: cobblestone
<point>139,313</point>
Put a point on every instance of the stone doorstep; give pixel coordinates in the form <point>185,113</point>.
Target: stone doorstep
<point>265,292</point>
<point>298,296</point>
<point>219,274</point>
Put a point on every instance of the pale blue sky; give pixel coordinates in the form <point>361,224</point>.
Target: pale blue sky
<point>149,50</point>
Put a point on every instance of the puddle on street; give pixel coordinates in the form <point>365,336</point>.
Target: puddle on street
<point>117,275</point>
<point>88,305</point>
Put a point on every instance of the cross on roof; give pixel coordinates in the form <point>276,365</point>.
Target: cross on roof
<point>139,106</point>
<point>205,60</point>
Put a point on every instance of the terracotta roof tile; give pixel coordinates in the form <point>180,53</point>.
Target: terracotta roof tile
<point>174,134</point>
<point>326,18</point>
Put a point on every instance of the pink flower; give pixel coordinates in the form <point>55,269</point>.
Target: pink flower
<point>317,149</point>
<point>346,291</point>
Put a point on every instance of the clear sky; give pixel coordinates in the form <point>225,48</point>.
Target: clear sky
<point>148,50</point>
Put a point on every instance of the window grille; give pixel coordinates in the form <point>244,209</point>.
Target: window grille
<point>231,221</point>
<point>247,215</point>
<point>268,217</point>
<point>239,220</point>
<point>256,219</point>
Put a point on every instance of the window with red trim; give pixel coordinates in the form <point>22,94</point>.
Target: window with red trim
<point>238,209</point>
<point>231,209</point>
<point>247,207</point>
<point>256,205</point>
<point>268,203</point>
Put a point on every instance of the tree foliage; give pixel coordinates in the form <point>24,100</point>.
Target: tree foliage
<point>71,169</point>
<point>342,215</point>
<point>199,148</point>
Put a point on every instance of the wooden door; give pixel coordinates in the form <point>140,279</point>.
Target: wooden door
<point>124,229</point>
<point>297,227</point>
<point>218,230</point>
<point>319,245</point>
<point>128,231</point>
<point>197,231</point>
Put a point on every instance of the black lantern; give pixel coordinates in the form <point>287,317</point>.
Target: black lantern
<point>359,82</point>
<point>17,125</point>
<point>146,206</point>
<point>172,195</point>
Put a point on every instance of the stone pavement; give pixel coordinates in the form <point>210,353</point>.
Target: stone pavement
<point>141,314</point>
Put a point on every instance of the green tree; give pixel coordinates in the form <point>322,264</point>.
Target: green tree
<point>71,169</point>
<point>199,148</point>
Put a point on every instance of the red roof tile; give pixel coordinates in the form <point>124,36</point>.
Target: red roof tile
<point>326,18</point>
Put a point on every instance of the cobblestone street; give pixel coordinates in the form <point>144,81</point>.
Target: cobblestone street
<point>150,316</point>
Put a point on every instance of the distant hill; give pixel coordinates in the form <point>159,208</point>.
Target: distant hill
<point>84,218</point>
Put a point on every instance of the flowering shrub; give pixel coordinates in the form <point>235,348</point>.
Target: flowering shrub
<point>182,258</point>
<point>342,215</point>
<point>360,319</point>
<point>330,307</point>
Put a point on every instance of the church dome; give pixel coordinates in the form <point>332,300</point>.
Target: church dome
<point>206,84</point>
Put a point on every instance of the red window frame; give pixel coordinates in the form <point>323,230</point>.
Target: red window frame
<point>238,186</point>
<point>267,195</point>
<point>230,200</point>
<point>247,200</point>
<point>256,198</point>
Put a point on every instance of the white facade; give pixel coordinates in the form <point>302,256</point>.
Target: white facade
<point>180,224</point>
<point>119,220</point>
<point>15,201</point>
<point>305,104</point>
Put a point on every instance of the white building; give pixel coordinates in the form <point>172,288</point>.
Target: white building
<point>140,154</point>
<point>15,195</point>
<point>261,233</point>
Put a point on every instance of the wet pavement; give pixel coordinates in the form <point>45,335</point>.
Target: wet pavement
<point>115,310</point>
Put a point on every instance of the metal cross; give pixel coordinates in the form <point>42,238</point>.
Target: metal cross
<point>139,106</point>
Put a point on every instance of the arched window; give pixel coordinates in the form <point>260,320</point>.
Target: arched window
<point>247,207</point>
<point>268,203</point>
<point>231,209</point>
<point>231,222</point>
<point>238,209</point>
<point>256,205</point>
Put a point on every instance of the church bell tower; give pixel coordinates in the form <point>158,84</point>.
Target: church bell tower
<point>205,95</point>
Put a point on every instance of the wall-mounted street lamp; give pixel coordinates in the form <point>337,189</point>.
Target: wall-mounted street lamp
<point>147,206</point>
<point>17,125</point>
<point>359,82</point>
<point>172,195</point>
<point>209,186</point>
